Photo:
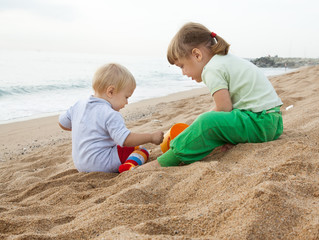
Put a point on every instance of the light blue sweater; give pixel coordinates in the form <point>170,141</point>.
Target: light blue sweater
<point>97,129</point>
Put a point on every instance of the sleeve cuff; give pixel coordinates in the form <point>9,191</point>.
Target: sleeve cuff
<point>65,121</point>
<point>125,135</point>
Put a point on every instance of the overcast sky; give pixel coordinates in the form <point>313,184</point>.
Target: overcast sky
<point>254,28</point>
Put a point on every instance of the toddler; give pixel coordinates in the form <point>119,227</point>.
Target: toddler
<point>100,140</point>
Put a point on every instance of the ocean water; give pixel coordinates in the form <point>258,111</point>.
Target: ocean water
<point>36,83</point>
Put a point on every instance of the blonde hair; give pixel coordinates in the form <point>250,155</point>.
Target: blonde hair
<point>112,74</point>
<point>194,35</point>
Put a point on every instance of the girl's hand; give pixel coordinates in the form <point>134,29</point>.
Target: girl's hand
<point>226,147</point>
<point>157,137</point>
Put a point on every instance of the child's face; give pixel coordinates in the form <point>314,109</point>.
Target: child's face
<point>191,68</point>
<point>193,65</point>
<point>120,99</point>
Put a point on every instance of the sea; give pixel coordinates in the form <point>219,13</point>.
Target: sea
<point>35,84</point>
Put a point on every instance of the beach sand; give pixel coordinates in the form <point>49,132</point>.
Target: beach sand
<point>253,191</point>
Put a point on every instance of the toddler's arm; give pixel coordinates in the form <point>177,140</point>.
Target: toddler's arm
<point>136,139</point>
<point>65,121</point>
<point>64,128</point>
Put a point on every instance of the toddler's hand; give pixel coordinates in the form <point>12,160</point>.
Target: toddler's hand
<point>157,137</point>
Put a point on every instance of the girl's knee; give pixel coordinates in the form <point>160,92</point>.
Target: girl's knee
<point>210,118</point>
<point>207,116</point>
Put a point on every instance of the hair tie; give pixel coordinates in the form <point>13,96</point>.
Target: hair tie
<point>213,34</point>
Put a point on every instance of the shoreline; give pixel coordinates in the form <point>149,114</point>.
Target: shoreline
<point>149,101</point>
<point>4,119</point>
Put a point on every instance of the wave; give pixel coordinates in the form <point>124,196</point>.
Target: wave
<point>31,89</point>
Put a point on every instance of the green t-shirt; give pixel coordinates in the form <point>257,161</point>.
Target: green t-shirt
<point>248,86</point>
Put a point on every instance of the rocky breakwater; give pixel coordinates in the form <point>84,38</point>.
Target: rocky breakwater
<point>280,62</point>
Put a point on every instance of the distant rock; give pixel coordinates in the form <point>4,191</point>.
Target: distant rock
<point>279,62</point>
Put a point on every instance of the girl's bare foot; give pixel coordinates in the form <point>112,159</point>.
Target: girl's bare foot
<point>226,147</point>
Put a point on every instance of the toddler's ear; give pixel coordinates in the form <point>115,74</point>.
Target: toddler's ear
<point>110,91</point>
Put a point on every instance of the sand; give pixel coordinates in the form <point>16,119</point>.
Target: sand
<point>253,191</point>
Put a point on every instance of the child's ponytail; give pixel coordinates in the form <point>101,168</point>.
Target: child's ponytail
<point>220,47</point>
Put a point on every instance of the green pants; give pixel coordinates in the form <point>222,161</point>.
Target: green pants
<point>214,129</point>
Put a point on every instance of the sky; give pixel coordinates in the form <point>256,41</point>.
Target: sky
<point>287,28</point>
